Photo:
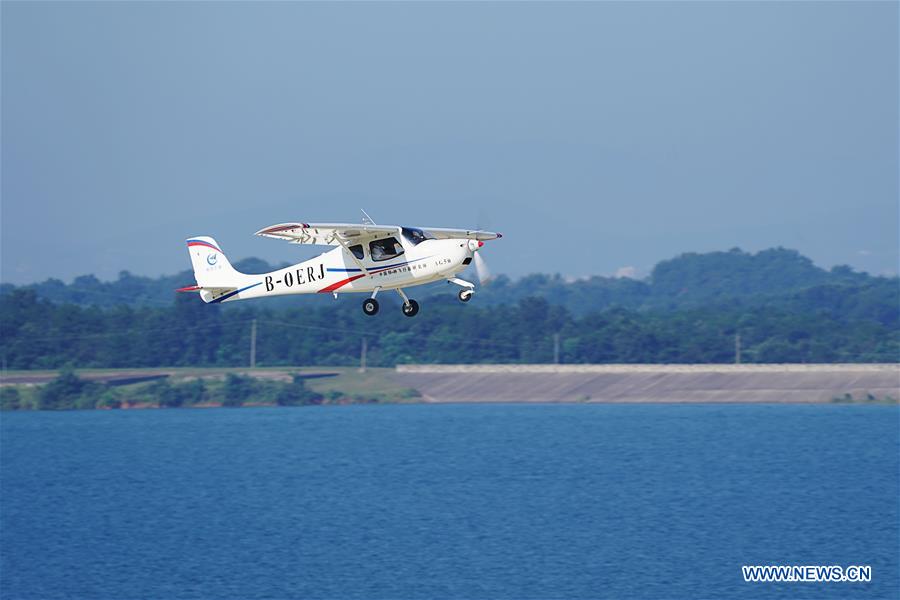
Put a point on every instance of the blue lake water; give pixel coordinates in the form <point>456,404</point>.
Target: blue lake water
<point>449,501</point>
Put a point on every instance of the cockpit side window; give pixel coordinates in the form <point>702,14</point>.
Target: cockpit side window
<point>357,251</point>
<point>414,235</point>
<point>385,249</point>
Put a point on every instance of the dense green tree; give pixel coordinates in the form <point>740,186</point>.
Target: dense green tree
<point>192,392</point>
<point>109,399</point>
<point>296,394</point>
<point>238,389</point>
<point>69,391</point>
<point>166,394</point>
<point>10,398</point>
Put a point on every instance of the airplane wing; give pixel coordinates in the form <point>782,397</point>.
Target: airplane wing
<point>471,234</point>
<point>327,234</point>
<point>343,234</point>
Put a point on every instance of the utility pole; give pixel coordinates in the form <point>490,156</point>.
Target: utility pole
<point>555,348</point>
<point>737,348</point>
<point>253,345</point>
<point>362,355</point>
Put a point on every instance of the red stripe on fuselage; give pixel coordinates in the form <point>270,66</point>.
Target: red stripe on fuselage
<point>341,283</point>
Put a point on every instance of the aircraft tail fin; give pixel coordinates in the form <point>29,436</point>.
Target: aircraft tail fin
<point>211,267</point>
<point>217,280</point>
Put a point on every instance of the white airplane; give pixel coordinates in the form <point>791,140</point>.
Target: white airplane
<point>367,258</point>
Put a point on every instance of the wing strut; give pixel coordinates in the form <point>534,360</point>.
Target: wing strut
<point>353,256</point>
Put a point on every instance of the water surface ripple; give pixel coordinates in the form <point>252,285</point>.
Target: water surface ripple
<point>449,501</point>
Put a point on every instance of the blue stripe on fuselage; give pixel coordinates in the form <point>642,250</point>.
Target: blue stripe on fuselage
<point>376,269</point>
<point>230,294</point>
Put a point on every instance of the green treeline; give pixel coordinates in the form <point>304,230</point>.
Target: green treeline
<point>833,324</point>
<point>686,281</point>
<point>690,310</point>
<point>68,392</point>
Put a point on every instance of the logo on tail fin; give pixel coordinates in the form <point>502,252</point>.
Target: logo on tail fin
<point>211,259</point>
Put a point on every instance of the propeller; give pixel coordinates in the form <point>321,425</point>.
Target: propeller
<point>481,269</point>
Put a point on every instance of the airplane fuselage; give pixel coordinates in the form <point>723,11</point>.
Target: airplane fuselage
<point>338,271</point>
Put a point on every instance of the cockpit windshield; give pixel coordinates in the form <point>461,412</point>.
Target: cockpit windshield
<point>414,235</point>
<point>385,249</point>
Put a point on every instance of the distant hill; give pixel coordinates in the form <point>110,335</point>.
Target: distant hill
<point>776,276</point>
<point>699,278</point>
<point>128,289</point>
<point>695,308</point>
<point>691,280</point>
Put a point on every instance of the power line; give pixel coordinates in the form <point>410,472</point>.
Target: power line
<point>433,337</point>
<point>319,328</point>
<point>253,344</point>
<point>129,301</point>
<point>130,331</point>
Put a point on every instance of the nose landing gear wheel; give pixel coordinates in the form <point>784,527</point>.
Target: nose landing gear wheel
<point>370,306</point>
<point>411,308</point>
<point>465,295</point>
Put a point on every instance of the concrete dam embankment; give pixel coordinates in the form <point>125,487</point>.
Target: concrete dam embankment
<point>793,383</point>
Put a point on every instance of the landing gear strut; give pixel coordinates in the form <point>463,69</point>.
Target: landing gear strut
<point>410,307</point>
<point>370,306</point>
<point>468,288</point>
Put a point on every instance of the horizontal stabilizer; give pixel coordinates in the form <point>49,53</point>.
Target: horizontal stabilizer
<point>210,294</point>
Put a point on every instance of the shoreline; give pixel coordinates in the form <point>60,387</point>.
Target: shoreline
<point>666,383</point>
<point>868,383</point>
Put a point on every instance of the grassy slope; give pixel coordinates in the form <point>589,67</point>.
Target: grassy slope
<point>348,382</point>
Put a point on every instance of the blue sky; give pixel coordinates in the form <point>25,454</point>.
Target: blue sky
<point>595,136</point>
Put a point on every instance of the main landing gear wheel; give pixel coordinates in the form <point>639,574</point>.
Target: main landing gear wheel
<point>411,308</point>
<point>465,295</point>
<point>370,306</point>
